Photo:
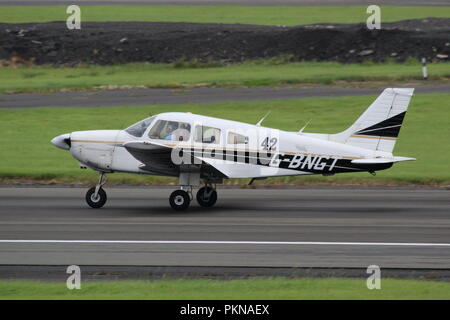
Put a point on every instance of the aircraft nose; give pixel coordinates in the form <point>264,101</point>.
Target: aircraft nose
<point>62,141</point>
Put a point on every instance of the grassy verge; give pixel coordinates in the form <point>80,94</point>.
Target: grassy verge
<point>254,73</point>
<point>275,288</point>
<point>273,15</point>
<point>26,151</point>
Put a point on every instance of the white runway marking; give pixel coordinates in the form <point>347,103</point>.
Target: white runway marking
<point>410,244</point>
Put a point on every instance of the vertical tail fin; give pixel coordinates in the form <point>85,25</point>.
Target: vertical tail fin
<point>378,127</point>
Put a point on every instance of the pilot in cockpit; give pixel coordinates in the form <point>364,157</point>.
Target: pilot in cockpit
<point>171,127</point>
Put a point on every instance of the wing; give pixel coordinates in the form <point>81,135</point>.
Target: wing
<point>157,159</point>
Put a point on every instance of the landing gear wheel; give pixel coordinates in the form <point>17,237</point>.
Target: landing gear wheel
<point>96,202</point>
<point>206,196</point>
<point>179,200</point>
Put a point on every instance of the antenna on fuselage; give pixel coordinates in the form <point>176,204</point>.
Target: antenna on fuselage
<point>301,130</point>
<point>262,119</point>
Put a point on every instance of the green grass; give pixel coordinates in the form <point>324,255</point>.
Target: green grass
<point>273,15</point>
<point>26,151</point>
<point>253,73</point>
<point>273,288</point>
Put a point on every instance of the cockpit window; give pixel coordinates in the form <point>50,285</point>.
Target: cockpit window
<point>170,130</point>
<point>139,128</point>
<point>206,134</point>
<point>236,138</point>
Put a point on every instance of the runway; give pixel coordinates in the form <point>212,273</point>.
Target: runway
<point>260,228</point>
<point>140,97</point>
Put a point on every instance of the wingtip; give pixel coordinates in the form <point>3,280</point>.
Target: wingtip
<point>398,159</point>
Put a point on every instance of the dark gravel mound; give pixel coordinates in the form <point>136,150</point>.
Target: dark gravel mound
<point>122,42</point>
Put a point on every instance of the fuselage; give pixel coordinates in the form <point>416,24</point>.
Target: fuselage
<point>237,149</point>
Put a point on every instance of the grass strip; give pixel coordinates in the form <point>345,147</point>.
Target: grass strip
<point>261,15</point>
<point>256,288</point>
<point>265,72</point>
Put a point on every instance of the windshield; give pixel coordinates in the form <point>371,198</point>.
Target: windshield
<point>139,128</point>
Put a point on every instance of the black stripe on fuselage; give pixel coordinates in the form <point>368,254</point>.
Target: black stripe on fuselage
<point>299,162</point>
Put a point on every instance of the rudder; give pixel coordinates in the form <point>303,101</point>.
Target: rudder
<point>379,126</point>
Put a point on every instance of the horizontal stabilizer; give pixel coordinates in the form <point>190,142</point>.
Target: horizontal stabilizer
<point>381,160</point>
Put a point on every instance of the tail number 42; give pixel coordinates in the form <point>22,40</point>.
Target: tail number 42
<point>269,144</point>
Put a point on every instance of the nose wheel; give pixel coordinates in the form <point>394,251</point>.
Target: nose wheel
<point>96,201</point>
<point>96,196</point>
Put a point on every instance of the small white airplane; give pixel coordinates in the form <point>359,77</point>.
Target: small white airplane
<point>203,149</point>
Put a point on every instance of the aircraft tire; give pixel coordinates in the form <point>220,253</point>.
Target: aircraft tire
<point>96,203</point>
<point>179,200</point>
<point>206,202</point>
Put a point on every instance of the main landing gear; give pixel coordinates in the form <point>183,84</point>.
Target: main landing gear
<point>96,196</point>
<point>207,196</point>
<point>180,199</point>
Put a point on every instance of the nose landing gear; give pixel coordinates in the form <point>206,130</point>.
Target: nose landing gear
<point>96,196</point>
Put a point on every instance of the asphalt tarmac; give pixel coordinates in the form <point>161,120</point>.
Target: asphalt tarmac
<point>140,97</point>
<point>260,228</point>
